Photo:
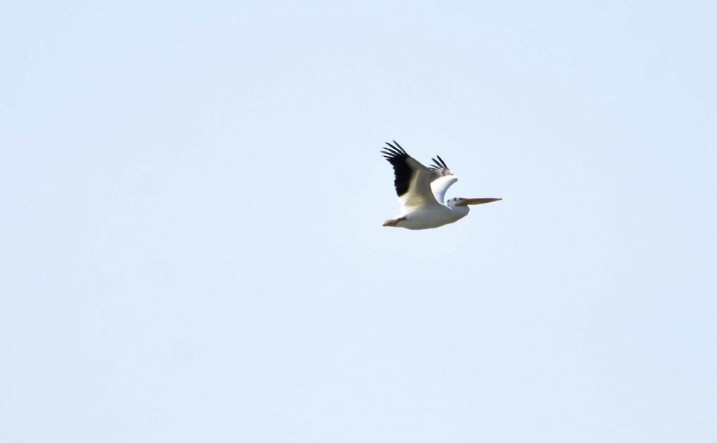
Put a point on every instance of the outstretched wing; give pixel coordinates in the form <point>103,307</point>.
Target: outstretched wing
<point>441,178</point>
<point>412,179</point>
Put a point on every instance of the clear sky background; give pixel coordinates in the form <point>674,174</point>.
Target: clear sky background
<point>192,196</point>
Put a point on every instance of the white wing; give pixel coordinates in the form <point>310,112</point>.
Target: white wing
<point>440,185</point>
<point>441,178</point>
<point>412,179</point>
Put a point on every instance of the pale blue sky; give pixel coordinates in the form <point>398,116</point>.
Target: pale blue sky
<point>191,245</point>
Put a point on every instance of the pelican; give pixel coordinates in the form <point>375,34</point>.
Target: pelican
<point>421,191</point>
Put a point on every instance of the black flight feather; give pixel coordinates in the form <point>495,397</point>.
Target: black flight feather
<point>398,158</point>
<point>438,163</point>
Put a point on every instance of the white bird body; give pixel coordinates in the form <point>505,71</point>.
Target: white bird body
<point>432,217</point>
<point>421,192</point>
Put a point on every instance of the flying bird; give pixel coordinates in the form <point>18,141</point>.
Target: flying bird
<point>421,191</point>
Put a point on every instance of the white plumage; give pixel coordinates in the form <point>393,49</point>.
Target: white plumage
<point>421,192</point>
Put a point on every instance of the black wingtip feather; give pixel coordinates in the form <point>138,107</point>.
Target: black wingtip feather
<point>396,147</point>
<point>438,163</point>
<point>392,151</point>
<point>397,156</point>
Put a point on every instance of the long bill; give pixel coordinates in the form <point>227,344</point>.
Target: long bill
<point>477,201</point>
